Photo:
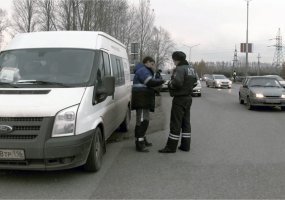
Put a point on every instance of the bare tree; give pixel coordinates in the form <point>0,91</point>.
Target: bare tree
<point>24,15</point>
<point>68,14</point>
<point>47,17</point>
<point>145,17</point>
<point>161,46</point>
<point>4,24</point>
<point>84,14</point>
<point>129,31</point>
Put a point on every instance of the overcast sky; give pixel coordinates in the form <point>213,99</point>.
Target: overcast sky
<point>217,26</point>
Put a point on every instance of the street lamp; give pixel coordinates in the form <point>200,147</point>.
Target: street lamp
<point>246,54</point>
<point>190,48</point>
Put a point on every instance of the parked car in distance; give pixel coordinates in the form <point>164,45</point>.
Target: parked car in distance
<point>262,91</point>
<point>205,77</point>
<point>219,81</point>
<point>281,80</point>
<point>167,78</point>
<point>197,89</point>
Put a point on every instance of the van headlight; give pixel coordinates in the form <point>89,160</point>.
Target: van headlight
<point>283,96</point>
<point>64,123</point>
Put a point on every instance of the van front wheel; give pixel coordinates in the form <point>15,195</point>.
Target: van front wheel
<point>94,160</point>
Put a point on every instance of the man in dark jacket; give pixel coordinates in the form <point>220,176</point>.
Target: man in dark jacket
<point>180,87</point>
<point>143,99</point>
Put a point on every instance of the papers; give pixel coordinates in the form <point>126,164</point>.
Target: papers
<point>9,74</point>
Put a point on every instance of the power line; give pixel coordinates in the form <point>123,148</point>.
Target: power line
<point>258,64</point>
<point>235,60</point>
<point>278,55</point>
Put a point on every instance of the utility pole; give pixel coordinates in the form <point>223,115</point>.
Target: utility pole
<point>246,55</point>
<point>258,64</point>
<point>190,48</point>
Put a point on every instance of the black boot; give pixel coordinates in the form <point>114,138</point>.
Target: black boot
<point>140,146</point>
<point>185,143</point>
<point>170,147</point>
<point>166,150</point>
<point>183,149</point>
<point>147,144</point>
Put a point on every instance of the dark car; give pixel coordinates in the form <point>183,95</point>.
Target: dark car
<point>262,91</point>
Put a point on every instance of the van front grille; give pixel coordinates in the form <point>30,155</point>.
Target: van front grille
<point>26,128</point>
<point>21,119</point>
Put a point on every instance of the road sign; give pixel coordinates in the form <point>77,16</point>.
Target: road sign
<point>243,47</point>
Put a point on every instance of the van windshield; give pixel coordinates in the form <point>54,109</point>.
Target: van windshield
<point>52,67</point>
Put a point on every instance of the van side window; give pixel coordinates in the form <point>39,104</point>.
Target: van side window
<point>104,68</point>
<point>118,70</point>
<point>101,71</point>
<point>107,64</point>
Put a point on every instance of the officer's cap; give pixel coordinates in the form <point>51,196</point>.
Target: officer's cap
<point>179,56</point>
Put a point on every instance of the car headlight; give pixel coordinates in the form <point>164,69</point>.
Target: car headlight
<point>64,123</point>
<point>259,95</point>
<point>230,82</point>
<point>218,82</point>
<point>283,96</point>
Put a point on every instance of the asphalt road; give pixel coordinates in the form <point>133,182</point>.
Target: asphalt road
<point>235,154</point>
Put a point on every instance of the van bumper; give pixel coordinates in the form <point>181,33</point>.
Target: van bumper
<point>57,153</point>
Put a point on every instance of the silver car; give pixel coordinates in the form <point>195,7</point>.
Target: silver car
<point>281,80</point>
<point>197,89</point>
<point>262,91</point>
<point>219,81</point>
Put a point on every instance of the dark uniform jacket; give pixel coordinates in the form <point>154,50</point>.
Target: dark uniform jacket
<point>182,81</point>
<point>143,93</point>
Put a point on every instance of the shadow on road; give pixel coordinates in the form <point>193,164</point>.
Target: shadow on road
<point>157,122</point>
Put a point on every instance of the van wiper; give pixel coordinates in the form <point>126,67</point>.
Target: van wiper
<point>272,86</point>
<point>8,84</point>
<point>256,85</point>
<point>36,82</point>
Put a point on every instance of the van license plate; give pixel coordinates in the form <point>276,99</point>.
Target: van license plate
<point>9,154</point>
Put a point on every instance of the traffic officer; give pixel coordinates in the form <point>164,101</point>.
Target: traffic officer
<point>180,87</point>
<point>143,99</point>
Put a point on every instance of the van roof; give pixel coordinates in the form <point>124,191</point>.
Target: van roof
<point>60,39</point>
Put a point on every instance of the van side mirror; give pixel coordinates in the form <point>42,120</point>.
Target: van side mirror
<point>101,95</point>
<point>107,89</point>
<point>109,85</point>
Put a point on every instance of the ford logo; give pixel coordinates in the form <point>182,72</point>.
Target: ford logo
<point>5,129</point>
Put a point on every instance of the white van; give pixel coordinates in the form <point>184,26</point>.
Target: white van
<point>62,94</point>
